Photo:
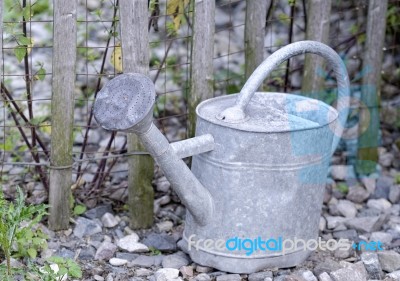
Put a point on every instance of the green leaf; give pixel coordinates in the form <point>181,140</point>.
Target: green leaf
<point>32,253</point>
<point>56,259</point>
<point>75,271</point>
<point>41,74</point>
<point>79,210</point>
<point>24,40</point>
<point>20,53</point>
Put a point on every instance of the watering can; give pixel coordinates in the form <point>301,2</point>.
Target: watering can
<point>259,166</point>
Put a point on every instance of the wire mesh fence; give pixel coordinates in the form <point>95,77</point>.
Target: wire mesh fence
<point>100,156</point>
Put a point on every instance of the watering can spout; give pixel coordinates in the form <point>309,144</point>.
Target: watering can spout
<point>126,103</point>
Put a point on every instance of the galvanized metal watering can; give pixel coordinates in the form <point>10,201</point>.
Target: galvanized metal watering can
<point>259,167</point>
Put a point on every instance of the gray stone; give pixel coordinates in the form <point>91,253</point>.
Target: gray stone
<point>86,227</point>
<point>349,234</point>
<point>260,276</point>
<point>380,204</point>
<point>390,260</point>
<point>166,274</point>
<point>202,277</point>
<point>367,224</point>
<point>384,237</point>
<point>395,275</point>
<point>106,251</point>
<point>203,269</point>
<point>341,172</point>
<point>187,271</point>
<point>163,184</point>
<point>126,256</point>
<point>322,224</point>
<point>143,272</point>
<point>109,220</point>
<point>162,242</point>
<point>117,262</point>
<point>394,193</point>
<point>324,277</point>
<point>308,276</point>
<point>130,243</point>
<point>383,185</point>
<point>143,261</point>
<point>334,221</point>
<point>164,226</point>
<point>347,209</point>
<point>357,194</point>
<point>65,253</point>
<point>98,211</point>
<point>328,266</point>
<point>342,253</point>
<point>371,263</point>
<point>229,277</point>
<point>347,274</point>
<point>87,253</point>
<point>175,261</point>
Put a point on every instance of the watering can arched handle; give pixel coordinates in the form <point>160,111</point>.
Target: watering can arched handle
<point>237,112</point>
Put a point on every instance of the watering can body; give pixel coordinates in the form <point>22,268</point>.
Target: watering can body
<point>259,166</point>
<point>265,182</point>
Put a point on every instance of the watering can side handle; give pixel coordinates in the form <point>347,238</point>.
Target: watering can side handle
<point>237,112</point>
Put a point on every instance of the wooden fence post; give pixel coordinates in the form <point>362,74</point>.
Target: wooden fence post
<point>202,70</point>
<point>318,20</point>
<point>135,58</point>
<point>62,112</point>
<point>368,128</point>
<point>254,34</point>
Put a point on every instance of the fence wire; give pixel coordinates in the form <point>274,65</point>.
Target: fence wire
<point>100,156</point>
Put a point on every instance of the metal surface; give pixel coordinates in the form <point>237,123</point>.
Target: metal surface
<point>265,170</point>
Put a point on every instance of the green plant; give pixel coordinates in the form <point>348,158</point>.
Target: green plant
<point>16,221</point>
<point>342,187</point>
<point>397,179</point>
<point>54,269</point>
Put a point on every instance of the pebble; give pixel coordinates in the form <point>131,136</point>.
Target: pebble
<point>389,260</point>
<point>109,220</point>
<point>118,262</point>
<point>126,256</point>
<point>357,194</point>
<point>130,243</point>
<point>384,237</point>
<point>334,221</point>
<point>203,269</point>
<point>328,266</point>
<point>166,274</point>
<point>106,251</point>
<point>187,271</point>
<point>176,260</point>
<point>322,223</point>
<point>160,241</point>
<point>379,204</point>
<point>394,194</point>
<point>229,277</point>
<point>98,211</point>
<point>98,278</point>
<point>349,234</point>
<point>202,277</point>
<point>143,272</point>
<point>86,227</point>
<point>308,276</point>
<point>365,224</point>
<point>395,275</point>
<point>143,261</point>
<point>260,276</point>
<point>372,265</point>
<point>347,209</point>
<point>346,274</point>
<point>340,172</point>
<point>324,277</point>
<point>164,226</point>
